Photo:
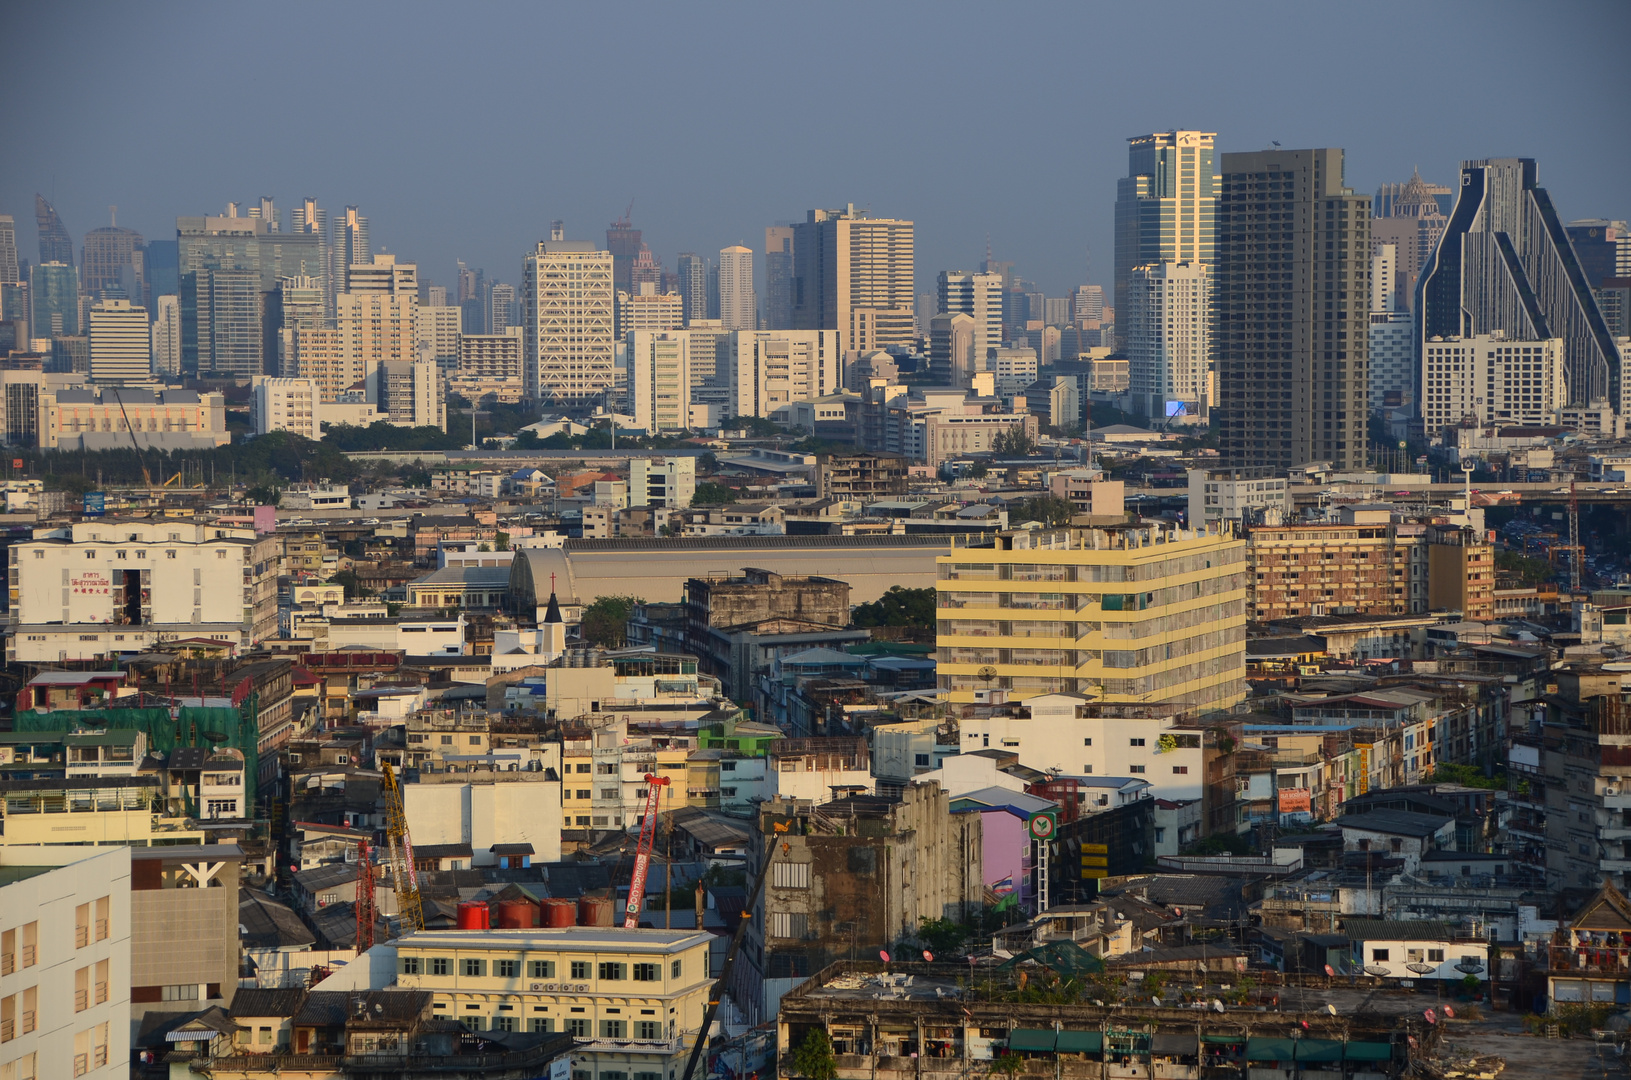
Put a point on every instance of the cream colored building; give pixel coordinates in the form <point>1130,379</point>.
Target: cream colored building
<point>411,393</point>
<point>659,366</point>
<point>166,335</point>
<point>121,343</point>
<point>738,306</point>
<point>293,405</point>
<point>648,309</point>
<point>853,273</point>
<point>1167,328</point>
<point>370,329</point>
<point>633,999</point>
<point>1491,380</point>
<point>769,369</point>
<point>1127,615</point>
<point>110,418</point>
<point>440,334</point>
<point>567,318</point>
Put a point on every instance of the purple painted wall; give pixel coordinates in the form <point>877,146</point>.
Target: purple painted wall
<point>1005,851</point>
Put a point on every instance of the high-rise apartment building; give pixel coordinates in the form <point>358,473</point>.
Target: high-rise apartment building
<point>307,218</point>
<point>166,339</point>
<point>1411,216</point>
<point>1167,329</point>
<point>693,272</point>
<point>226,266</point>
<point>495,357</point>
<point>293,405</point>
<point>1291,298</point>
<point>1602,246</point>
<point>568,300</point>
<point>1391,337</point>
<point>853,273</point>
<point>54,290</point>
<point>1087,304</point>
<point>738,305</point>
<point>778,307</point>
<point>382,273</point>
<point>348,247</point>
<point>297,304</point>
<point>110,262</point>
<point>410,393</point>
<point>1049,612</point>
<point>769,369</point>
<point>1487,379</point>
<point>659,364</point>
<point>439,330</point>
<point>121,343</point>
<point>977,295</point>
<point>1505,265</point>
<point>9,274</point>
<point>954,352</point>
<point>370,329</point>
<point>647,309</point>
<point>1165,205</point>
<point>500,308</point>
<point>55,244</point>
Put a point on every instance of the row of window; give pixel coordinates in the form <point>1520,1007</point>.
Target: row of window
<point>474,967</point>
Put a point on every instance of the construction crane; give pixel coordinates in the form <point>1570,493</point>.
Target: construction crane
<point>365,897</point>
<point>642,853</point>
<point>625,221</point>
<point>718,990</point>
<point>131,431</point>
<point>1577,552</point>
<point>404,878</point>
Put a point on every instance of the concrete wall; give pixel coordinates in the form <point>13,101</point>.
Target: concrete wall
<point>526,809</point>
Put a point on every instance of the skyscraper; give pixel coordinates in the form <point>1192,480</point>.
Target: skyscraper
<point>660,379</point>
<point>738,308</point>
<point>55,244</point>
<point>1391,334</point>
<point>228,265</point>
<point>1411,216</point>
<point>108,259</point>
<point>1087,304</point>
<point>693,286</point>
<point>773,368</point>
<point>121,345</point>
<point>1505,264</point>
<point>778,306</point>
<point>567,313</point>
<point>54,287</point>
<point>978,296</point>
<point>383,274</point>
<point>1166,205</point>
<point>1290,297</point>
<point>370,330</point>
<point>1603,248</point>
<point>348,246</point>
<point>1167,328</point>
<point>266,211</point>
<point>853,273</point>
<point>8,250</point>
<point>623,241</point>
<point>309,218</point>
<point>500,308</point>
<point>166,335</point>
<point>297,304</point>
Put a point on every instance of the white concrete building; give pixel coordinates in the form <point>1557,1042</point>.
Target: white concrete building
<point>495,808</point>
<point>768,369</point>
<point>1015,369</point>
<point>979,296</point>
<point>411,393</point>
<point>166,339</point>
<point>104,587</point>
<point>1168,333</point>
<point>667,482</point>
<point>65,962</point>
<point>370,329</point>
<point>647,309</point>
<point>121,342</point>
<point>1219,494</point>
<point>1057,733</point>
<point>292,405</point>
<point>1490,380</point>
<point>438,334</point>
<point>659,366</point>
<point>738,306</point>
<point>567,314</point>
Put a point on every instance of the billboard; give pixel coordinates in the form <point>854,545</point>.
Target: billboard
<point>95,504</point>
<point>1295,800</point>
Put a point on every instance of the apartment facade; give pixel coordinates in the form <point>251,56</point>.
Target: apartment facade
<point>659,367</point>
<point>1487,379</point>
<point>1168,331</point>
<point>853,273</point>
<point>1126,616</point>
<point>293,405</point>
<point>1166,207</point>
<point>567,304</point>
<point>121,343</point>
<point>771,369</point>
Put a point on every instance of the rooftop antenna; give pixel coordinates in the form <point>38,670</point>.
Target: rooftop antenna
<point>113,216</point>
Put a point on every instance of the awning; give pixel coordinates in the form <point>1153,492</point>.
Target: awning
<point>1174,1044</point>
<point>1230,1040</point>
<point>1261,1049</point>
<point>1079,1042</point>
<point>1319,1050</point>
<point>1031,1039</point>
<point>1369,1051</point>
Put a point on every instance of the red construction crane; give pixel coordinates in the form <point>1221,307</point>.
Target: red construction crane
<point>642,854</point>
<point>365,897</point>
<point>404,877</point>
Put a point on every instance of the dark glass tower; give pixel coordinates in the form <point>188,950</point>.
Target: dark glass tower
<point>55,244</point>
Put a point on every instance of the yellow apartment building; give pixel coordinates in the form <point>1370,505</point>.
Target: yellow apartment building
<point>634,999</point>
<point>1136,614</point>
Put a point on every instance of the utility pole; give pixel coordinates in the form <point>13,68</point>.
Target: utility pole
<point>1576,552</point>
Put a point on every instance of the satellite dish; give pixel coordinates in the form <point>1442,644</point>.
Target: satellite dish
<point>1422,969</point>
<point>1217,1006</point>
<point>1449,1012</point>
<point>1155,1001</point>
<point>929,956</point>
<point>1329,971</point>
<point>883,955</point>
<point>1431,1016</point>
<point>1378,972</point>
<point>1332,1009</point>
<point>986,674</point>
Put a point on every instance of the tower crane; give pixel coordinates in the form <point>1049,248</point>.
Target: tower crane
<point>404,878</point>
<point>365,897</point>
<point>642,853</point>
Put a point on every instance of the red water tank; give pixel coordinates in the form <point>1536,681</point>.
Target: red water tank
<point>595,911</point>
<point>558,913</point>
<point>474,915</point>
<point>517,915</point>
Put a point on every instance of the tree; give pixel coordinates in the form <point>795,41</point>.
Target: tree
<point>756,426</point>
<point>1531,571</point>
<point>606,621</point>
<point>899,606</point>
<point>348,580</point>
<point>709,493</point>
<point>943,937</point>
<point>1050,510</point>
<point>1015,442</point>
<point>813,1058</point>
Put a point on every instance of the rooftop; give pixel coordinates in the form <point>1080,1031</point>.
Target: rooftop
<point>565,939</point>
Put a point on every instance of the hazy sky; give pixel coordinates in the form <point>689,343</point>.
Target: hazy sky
<point>462,129</point>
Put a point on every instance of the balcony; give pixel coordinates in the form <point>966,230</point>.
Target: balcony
<point>1589,960</point>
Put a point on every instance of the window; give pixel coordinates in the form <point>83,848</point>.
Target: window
<point>647,973</point>
<point>786,875</point>
<point>608,793</point>
<point>447,740</point>
<point>469,967</point>
<point>674,970</point>
<point>1135,742</point>
<point>613,1029</point>
<point>613,972</point>
<point>583,768</point>
<point>579,1028</point>
<point>1135,768</point>
<point>648,1029</point>
<point>408,965</point>
<point>1087,742</point>
<point>542,1025</point>
<point>507,969</point>
<point>1435,956</point>
<point>503,1023</point>
<point>540,969</point>
<point>104,907</point>
<point>580,969</point>
<point>1378,956</point>
<point>439,965</point>
<point>183,992</point>
<point>1180,770</point>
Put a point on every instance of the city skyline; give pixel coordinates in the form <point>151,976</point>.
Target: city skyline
<point>437,207</point>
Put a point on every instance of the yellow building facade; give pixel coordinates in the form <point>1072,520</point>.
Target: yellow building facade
<point>1142,614</point>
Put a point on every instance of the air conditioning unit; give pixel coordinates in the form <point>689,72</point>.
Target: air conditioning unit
<point>1612,789</point>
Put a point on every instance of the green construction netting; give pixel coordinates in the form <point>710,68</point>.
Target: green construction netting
<point>1080,1042</point>
<point>1066,956</point>
<point>238,728</point>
